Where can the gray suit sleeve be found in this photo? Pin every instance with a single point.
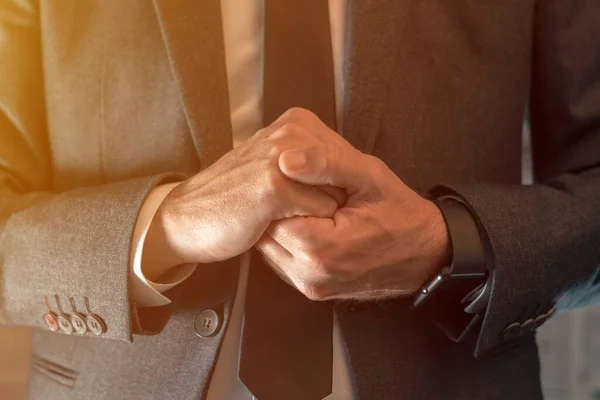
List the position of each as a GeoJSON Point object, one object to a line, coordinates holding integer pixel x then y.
{"type": "Point", "coordinates": [544, 239]}
{"type": "Point", "coordinates": [72, 244]}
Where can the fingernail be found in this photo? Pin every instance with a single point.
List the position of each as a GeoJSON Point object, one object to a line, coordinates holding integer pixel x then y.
{"type": "Point", "coordinates": [294, 160]}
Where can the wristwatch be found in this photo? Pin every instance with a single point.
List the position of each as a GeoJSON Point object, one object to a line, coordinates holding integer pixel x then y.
{"type": "Point", "coordinates": [464, 283]}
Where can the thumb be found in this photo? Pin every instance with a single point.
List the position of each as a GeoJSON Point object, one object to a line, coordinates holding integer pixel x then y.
{"type": "Point", "coordinates": [326, 165]}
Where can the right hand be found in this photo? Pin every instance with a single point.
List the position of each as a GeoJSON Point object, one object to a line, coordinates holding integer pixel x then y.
{"type": "Point", "coordinates": [224, 210]}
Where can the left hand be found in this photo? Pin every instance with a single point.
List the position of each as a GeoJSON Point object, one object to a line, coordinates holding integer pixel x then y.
{"type": "Point", "coordinates": [385, 241]}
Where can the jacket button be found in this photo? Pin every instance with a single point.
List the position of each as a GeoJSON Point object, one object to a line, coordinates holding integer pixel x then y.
{"type": "Point", "coordinates": [207, 323]}
{"type": "Point", "coordinates": [78, 322]}
{"type": "Point", "coordinates": [51, 322]}
{"type": "Point", "coordinates": [539, 321]}
{"type": "Point", "coordinates": [527, 326]}
{"type": "Point", "coordinates": [511, 331]}
{"type": "Point", "coordinates": [95, 324]}
{"type": "Point", "coordinates": [65, 325]}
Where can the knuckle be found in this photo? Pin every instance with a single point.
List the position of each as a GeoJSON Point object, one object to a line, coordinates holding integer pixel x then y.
{"type": "Point", "coordinates": [276, 149]}
{"type": "Point", "coordinates": [296, 114]}
{"type": "Point", "coordinates": [288, 130]}
{"type": "Point", "coordinates": [332, 156]}
{"type": "Point", "coordinates": [282, 137]}
{"type": "Point", "coordinates": [332, 153]}
{"type": "Point", "coordinates": [261, 134]}
{"type": "Point", "coordinates": [314, 296]}
{"type": "Point", "coordinates": [271, 185]}
{"type": "Point", "coordinates": [313, 291]}
{"type": "Point", "coordinates": [315, 263]}
{"type": "Point", "coordinates": [375, 164]}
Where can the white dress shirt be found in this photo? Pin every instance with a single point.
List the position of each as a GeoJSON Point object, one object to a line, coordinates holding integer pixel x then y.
{"type": "Point", "coordinates": [243, 23]}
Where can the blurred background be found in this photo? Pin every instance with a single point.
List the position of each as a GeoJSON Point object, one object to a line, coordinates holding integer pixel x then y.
{"type": "Point", "coordinates": [570, 352]}
{"type": "Point", "coordinates": [569, 346]}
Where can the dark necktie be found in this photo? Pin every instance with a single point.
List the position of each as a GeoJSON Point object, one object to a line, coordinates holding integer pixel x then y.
{"type": "Point", "coordinates": [287, 348]}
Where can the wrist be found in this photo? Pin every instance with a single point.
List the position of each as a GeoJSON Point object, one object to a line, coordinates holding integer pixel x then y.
{"type": "Point", "coordinates": [159, 251]}
{"type": "Point", "coordinates": [436, 245]}
{"type": "Point", "coordinates": [157, 255]}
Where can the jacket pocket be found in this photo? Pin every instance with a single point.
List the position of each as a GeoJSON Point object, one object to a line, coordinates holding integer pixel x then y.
{"type": "Point", "coordinates": [56, 372]}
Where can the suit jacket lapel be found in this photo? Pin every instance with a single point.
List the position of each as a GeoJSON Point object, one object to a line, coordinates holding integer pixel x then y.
{"type": "Point", "coordinates": [374, 29]}
{"type": "Point", "coordinates": [192, 31]}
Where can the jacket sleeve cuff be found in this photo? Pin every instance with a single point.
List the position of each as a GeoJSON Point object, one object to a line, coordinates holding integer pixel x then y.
{"type": "Point", "coordinates": [73, 249]}
{"type": "Point", "coordinates": [447, 308]}
{"type": "Point", "coordinates": [541, 241]}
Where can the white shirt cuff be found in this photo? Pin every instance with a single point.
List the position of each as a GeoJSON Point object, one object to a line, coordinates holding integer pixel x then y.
{"type": "Point", "coordinates": [145, 293]}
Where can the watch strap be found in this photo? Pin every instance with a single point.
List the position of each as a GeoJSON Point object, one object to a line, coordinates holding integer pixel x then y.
{"type": "Point", "coordinates": [468, 256]}
{"type": "Point", "coordinates": [468, 260]}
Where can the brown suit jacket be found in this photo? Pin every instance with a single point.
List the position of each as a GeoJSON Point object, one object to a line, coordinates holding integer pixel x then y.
{"type": "Point", "coordinates": [102, 100]}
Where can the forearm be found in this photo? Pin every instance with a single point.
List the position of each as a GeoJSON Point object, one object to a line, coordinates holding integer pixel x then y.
{"type": "Point", "coordinates": [153, 251]}
{"type": "Point", "coordinates": [541, 240]}
{"type": "Point", "coordinates": [152, 272]}
{"type": "Point", "coordinates": [72, 244]}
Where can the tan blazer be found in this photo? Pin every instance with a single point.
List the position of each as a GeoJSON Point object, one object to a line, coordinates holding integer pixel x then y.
{"type": "Point", "coordinates": [102, 100]}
